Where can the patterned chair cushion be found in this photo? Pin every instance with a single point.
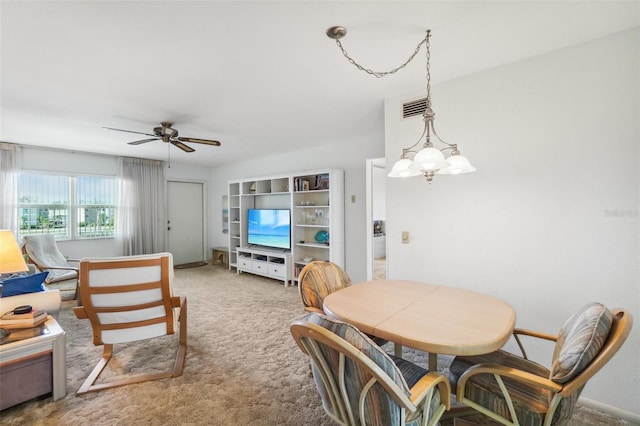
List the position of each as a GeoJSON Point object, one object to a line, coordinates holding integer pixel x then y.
{"type": "Point", "coordinates": [380, 409]}
{"type": "Point", "coordinates": [530, 402]}
{"type": "Point", "coordinates": [579, 341]}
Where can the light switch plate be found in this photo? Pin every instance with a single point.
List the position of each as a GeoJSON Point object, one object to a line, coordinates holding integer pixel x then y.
{"type": "Point", "coordinates": [405, 237]}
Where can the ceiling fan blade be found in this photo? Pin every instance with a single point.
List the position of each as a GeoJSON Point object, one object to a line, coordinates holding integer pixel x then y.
{"type": "Point", "coordinates": [202, 141]}
{"type": "Point", "coordinates": [129, 131]}
{"type": "Point", "coordinates": [143, 141]}
{"type": "Point", "coordinates": [182, 146]}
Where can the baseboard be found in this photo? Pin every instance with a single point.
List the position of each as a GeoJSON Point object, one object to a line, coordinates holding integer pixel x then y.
{"type": "Point", "coordinates": [611, 410]}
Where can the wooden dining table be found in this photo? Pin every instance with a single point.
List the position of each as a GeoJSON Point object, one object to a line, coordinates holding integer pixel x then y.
{"type": "Point", "coordinates": [428, 317]}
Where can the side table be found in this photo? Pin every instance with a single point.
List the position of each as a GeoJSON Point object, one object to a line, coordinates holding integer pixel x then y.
{"type": "Point", "coordinates": [34, 366]}
{"type": "Point", "coordinates": [221, 254]}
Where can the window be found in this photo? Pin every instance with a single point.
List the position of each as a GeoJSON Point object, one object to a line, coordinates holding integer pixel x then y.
{"type": "Point", "coordinates": [69, 207]}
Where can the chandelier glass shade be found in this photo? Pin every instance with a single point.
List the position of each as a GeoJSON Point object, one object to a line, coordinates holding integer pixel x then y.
{"type": "Point", "coordinates": [428, 160]}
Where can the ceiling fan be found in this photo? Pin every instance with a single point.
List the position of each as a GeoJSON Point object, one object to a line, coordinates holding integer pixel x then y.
{"type": "Point", "coordinates": [166, 133]}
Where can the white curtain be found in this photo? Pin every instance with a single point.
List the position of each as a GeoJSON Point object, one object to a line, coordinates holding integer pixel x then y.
{"type": "Point", "coordinates": [9, 175]}
{"type": "Point", "coordinates": [141, 222]}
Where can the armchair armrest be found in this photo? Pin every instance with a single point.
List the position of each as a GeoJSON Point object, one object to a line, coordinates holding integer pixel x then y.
{"type": "Point", "coordinates": [517, 332]}
{"type": "Point", "coordinates": [499, 371]}
{"type": "Point", "coordinates": [420, 390]}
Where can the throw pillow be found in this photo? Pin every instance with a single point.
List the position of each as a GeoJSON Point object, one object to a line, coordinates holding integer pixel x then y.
{"type": "Point", "coordinates": [23, 285]}
{"type": "Point", "coordinates": [580, 340]}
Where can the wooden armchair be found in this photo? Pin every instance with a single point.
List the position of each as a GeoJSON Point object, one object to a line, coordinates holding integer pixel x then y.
{"type": "Point", "coordinates": [43, 252]}
{"type": "Point", "coordinates": [360, 384]}
{"type": "Point", "coordinates": [128, 299]}
{"type": "Point", "coordinates": [516, 391]}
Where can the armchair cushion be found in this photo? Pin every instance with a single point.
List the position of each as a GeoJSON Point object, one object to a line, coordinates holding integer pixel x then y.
{"type": "Point", "coordinates": [579, 341]}
{"type": "Point", "coordinates": [23, 285]}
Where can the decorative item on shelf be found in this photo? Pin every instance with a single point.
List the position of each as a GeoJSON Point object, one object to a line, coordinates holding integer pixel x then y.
{"type": "Point", "coordinates": [322, 236]}
{"type": "Point", "coordinates": [307, 259]}
{"type": "Point", "coordinates": [305, 185]}
{"type": "Point", "coordinates": [428, 161]}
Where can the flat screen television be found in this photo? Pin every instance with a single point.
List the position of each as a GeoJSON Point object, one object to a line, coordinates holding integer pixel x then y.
{"type": "Point", "coordinates": [269, 228]}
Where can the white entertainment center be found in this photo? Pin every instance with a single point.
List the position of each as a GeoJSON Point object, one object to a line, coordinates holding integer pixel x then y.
{"type": "Point", "coordinates": [315, 201]}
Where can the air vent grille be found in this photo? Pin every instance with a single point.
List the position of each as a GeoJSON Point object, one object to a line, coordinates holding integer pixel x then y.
{"type": "Point", "coordinates": [413, 108]}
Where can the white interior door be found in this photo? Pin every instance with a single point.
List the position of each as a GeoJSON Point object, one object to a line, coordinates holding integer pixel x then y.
{"type": "Point", "coordinates": [185, 221]}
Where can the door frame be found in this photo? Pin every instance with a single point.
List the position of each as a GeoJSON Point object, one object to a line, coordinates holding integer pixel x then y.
{"type": "Point", "coordinates": [371, 163]}
{"type": "Point", "coordinates": [205, 232]}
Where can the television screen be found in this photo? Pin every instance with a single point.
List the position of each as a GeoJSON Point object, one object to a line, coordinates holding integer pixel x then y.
{"type": "Point", "coordinates": [270, 228]}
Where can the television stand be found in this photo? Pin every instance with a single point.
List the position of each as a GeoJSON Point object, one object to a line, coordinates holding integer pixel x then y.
{"type": "Point", "coordinates": [270, 263]}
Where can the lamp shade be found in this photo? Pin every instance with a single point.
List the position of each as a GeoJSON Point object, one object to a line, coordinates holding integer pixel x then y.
{"type": "Point", "coordinates": [11, 259]}
{"type": "Point", "coordinates": [402, 168]}
{"type": "Point", "coordinates": [458, 165]}
{"type": "Point", "coordinates": [429, 159]}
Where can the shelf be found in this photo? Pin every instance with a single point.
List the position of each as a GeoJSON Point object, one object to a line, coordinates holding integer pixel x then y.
{"type": "Point", "coordinates": [315, 245]}
{"type": "Point", "coordinates": [322, 194]}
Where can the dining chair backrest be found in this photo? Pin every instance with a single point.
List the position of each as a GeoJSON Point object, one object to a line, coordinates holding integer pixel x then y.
{"type": "Point", "coordinates": [317, 280]}
{"type": "Point", "coordinates": [360, 384]}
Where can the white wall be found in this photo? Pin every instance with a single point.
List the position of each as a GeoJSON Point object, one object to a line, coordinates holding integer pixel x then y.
{"type": "Point", "coordinates": [348, 157]}
{"type": "Point", "coordinates": [550, 220]}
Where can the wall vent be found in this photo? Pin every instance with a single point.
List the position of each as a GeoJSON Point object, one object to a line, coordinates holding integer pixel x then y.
{"type": "Point", "coordinates": [413, 108]}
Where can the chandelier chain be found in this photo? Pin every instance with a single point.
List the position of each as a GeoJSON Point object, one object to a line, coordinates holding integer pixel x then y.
{"type": "Point", "coordinates": [379, 74]}
{"type": "Point", "coordinates": [427, 46]}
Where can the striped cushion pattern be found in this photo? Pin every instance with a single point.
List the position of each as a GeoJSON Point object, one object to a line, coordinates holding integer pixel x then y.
{"type": "Point", "coordinates": [320, 279]}
{"type": "Point", "coordinates": [530, 402]}
{"type": "Point", "coordinates": [380, 408]}
{"type": "Point", "coordinates": [580, 339]}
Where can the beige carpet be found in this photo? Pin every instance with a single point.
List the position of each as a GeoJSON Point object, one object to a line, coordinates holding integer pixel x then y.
{"type": "Point", "coordinates": [242, 367]}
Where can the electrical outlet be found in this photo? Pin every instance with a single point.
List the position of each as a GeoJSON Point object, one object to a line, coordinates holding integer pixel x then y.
{"type": "Point", "coordinates": [405, 237]}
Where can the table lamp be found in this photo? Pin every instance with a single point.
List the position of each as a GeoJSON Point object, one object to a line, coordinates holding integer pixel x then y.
{"type": "Point", "coordinates": [11, 259]}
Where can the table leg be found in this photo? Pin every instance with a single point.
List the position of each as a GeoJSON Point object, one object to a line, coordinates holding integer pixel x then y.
{"type": "Point", "coordinates": [433, 362]}
{"type": "Point", "coordinates": [397, 350]}
{"type": "Point", "coordinates": [59, 359]}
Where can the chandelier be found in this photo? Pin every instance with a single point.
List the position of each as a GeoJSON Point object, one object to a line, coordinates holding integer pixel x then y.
{"type": "Point", "coordinates": [428, 161]}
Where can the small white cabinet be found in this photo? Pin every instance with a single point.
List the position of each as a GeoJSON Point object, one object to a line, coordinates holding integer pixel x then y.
{"type": "Point", "coordinates": [274, 264]}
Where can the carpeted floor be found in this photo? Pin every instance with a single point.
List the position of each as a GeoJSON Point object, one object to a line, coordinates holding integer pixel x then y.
{"type": "Point", "coordinates": [242, 366]}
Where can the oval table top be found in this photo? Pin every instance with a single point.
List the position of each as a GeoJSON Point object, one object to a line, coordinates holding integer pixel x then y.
{"type": "Point", "coordinates": [427, 317]}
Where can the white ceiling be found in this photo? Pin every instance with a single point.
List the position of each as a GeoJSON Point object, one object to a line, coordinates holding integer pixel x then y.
{"type": "Point", "coordinates": [261, 77]}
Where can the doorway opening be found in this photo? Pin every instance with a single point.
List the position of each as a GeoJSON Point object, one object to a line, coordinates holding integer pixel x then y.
{"type": "Point", "coordinates": [376, 219]}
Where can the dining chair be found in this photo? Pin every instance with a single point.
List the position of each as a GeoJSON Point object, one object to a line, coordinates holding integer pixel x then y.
{"type": "Point", "coordinates": [360, 384]}
{"type": "Point", "coordinates": [514, 390]}
{"type": "Point", "coordinates": [317, 280]}
{"type": "Point", "coordinates": [43, 252]}
{"type": "Point", "coordinates": [130, 299]}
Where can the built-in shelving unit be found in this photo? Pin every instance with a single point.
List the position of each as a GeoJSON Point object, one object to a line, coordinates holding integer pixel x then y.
{"type": "Point", "coordinates": [316, 202]}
